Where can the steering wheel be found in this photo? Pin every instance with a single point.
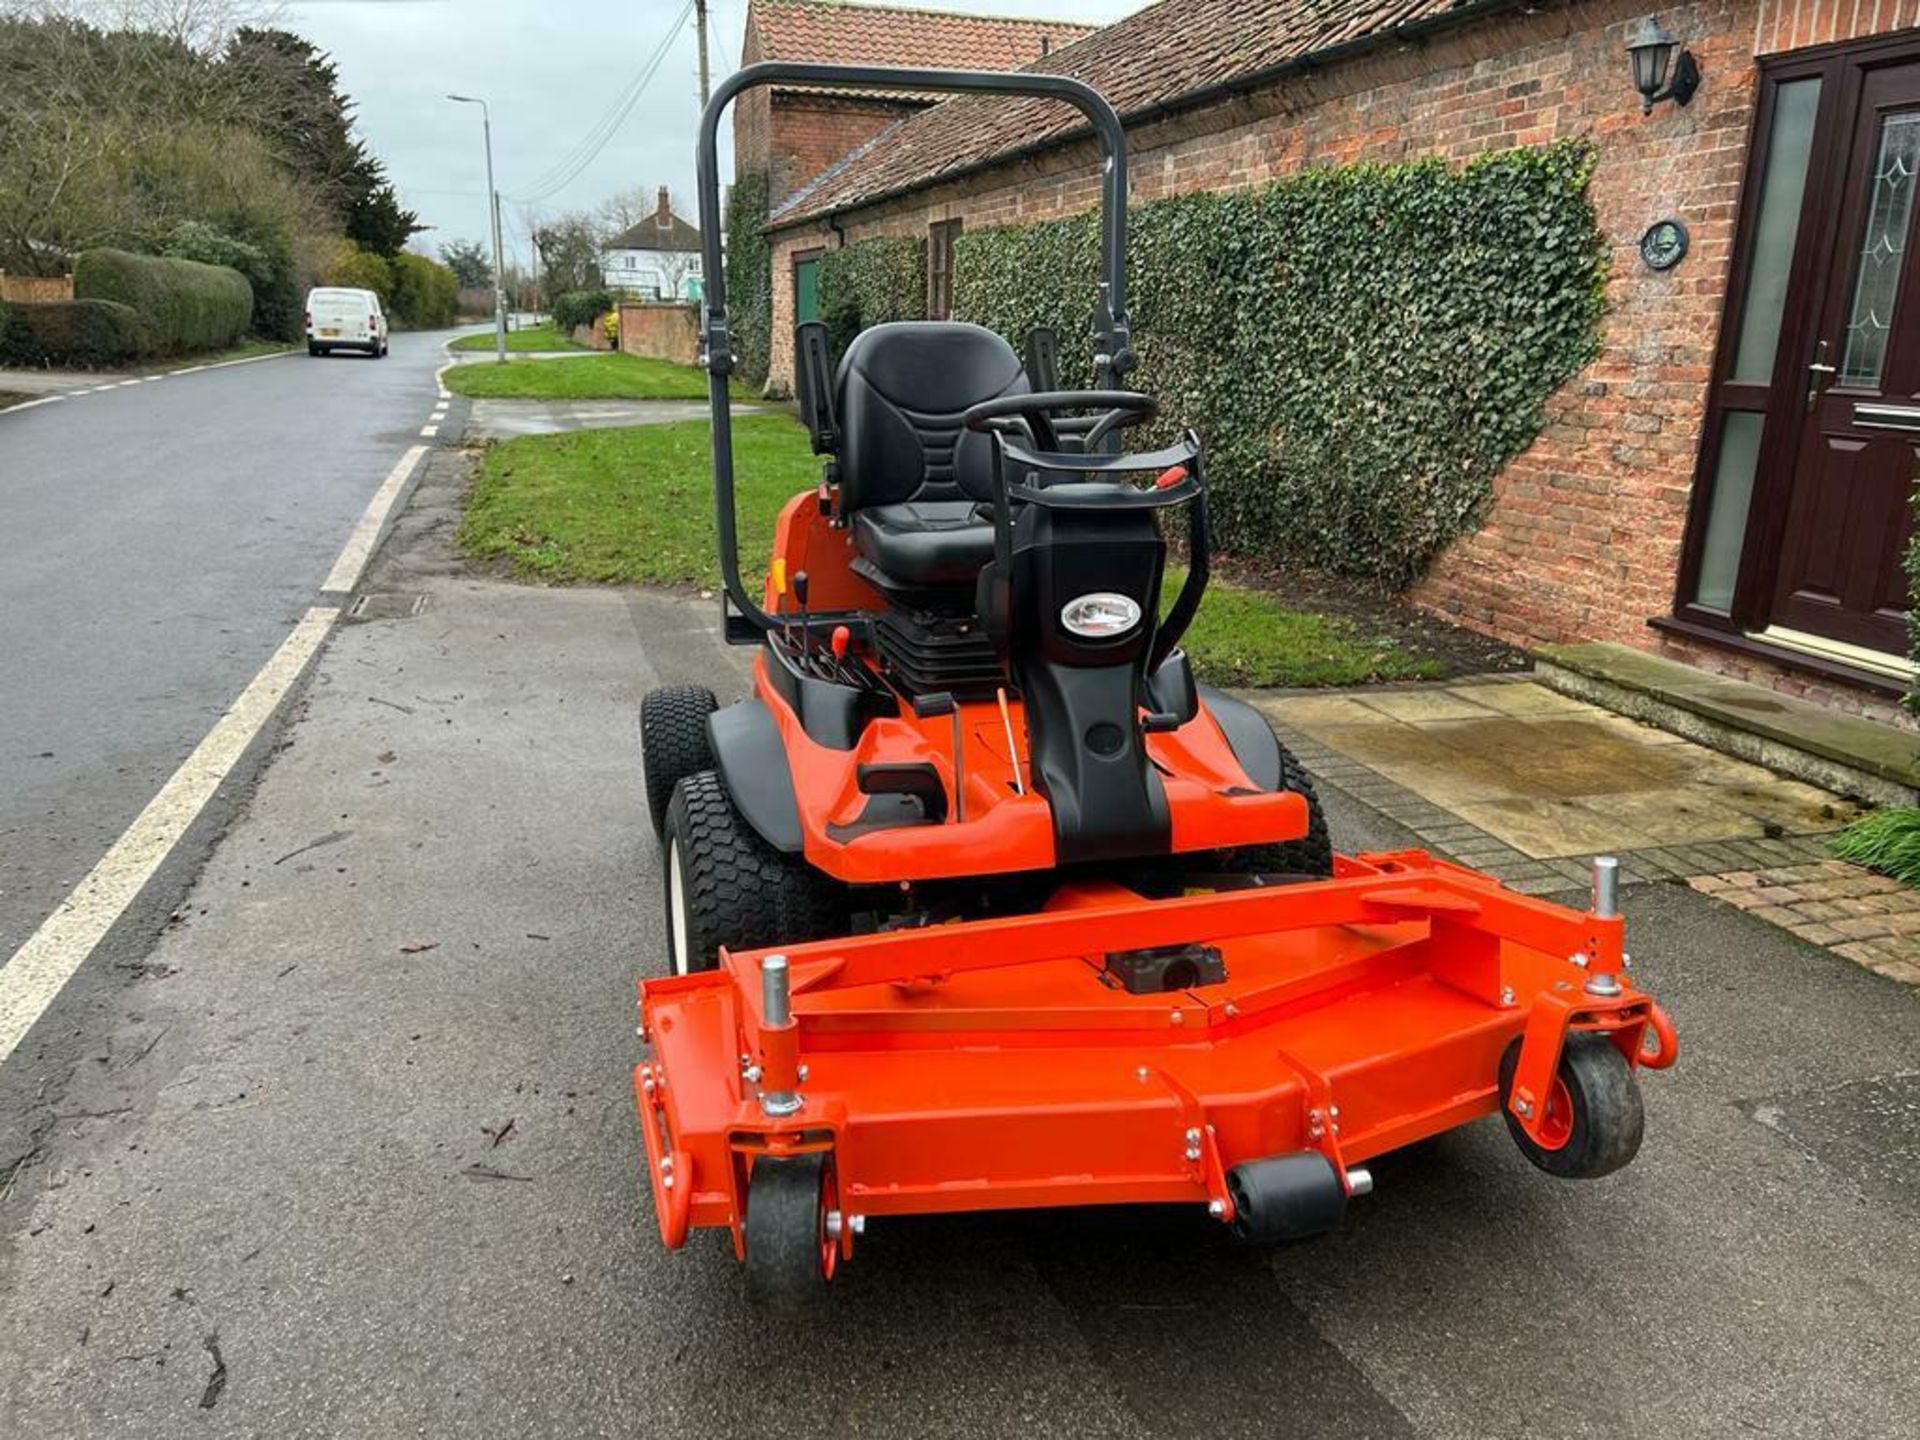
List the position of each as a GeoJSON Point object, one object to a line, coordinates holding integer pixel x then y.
{"type": "Point", "coordinates": [1032, 416]}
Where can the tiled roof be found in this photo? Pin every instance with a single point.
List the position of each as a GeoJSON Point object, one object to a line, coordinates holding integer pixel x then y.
{"type": "Point", "coordinates": [650, 234]}
{"type": "Point", "coordinates": [854, 34]}
{"type": "Point", "coordinates": [1154, 57]}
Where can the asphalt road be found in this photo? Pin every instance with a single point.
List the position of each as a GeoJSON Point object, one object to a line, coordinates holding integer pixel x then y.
{"type": "Point", "coordinates": [357, 1156]}
{"type": "Point", "coordinates": [160, 540]}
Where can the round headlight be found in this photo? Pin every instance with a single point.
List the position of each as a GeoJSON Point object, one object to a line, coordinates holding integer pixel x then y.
{"type": "Point", "coordinates": [1100, 616]}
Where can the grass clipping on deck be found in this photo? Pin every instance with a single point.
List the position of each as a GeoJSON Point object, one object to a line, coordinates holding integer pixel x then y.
{"type": "Point", "coordinates": [635, 506]}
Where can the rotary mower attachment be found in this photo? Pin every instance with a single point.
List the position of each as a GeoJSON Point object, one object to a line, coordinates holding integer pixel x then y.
{"type": "Point", "coordinates": [1244, 1049]}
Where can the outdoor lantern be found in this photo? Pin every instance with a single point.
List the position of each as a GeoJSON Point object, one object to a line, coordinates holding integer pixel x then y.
{"type": "Point", "coordinates": [1662, 70]}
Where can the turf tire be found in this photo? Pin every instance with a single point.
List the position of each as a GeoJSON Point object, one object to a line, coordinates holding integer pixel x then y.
{"type": "Point", "coordinates": [734, 889]}
{"type": "Point", "coordinates": [673, 743]}
{"type": "Point", "coordinates": [1311, 854]}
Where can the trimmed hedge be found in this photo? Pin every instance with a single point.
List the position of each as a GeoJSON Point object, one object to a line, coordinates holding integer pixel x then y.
{"type": "Point", "coordinates": [425, 292]}
{"type": "Point", "coordinates": [1363, 348]}
{"type": "Point", "coordinates": [580, 307]}
{"type": "Point", "coordinates": [186, 305]}
{"type": "Point", "coordinates": [268, 267]}
{"type": "Point", "coordinates": [872, 282]}
{"type": "Point", "coordinates": [355, 269]}
{"type": "Point", "coordinates": [72, 332]}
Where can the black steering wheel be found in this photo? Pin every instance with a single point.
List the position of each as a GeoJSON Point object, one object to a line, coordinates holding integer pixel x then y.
{"type": "Point", "coordinates": [1032, 416]}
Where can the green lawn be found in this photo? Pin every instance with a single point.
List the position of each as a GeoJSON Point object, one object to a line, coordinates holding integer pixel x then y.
{"type": "Point", "coordinates": [636, 506]}
{"type": "Point", "coordinates": [533, 337]}
{"type": "Point", "coordinates": [600, 376]}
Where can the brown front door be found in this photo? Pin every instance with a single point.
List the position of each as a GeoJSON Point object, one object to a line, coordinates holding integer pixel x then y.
{"type": "Point", "coordinates": [1848, 512]}
{"type": "Point", "coordinates": [1801, 508]}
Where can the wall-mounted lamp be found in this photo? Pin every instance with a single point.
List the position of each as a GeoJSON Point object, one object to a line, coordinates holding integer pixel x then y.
{"type": "Point", "coordinates": [1662, 69]}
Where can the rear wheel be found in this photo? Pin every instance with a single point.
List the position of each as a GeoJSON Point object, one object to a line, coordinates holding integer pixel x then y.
{"type": "Point", "coordinates": [1311, 854]}
{"type": "Point", "coordinates": [314, 350]}
{"type": "Point", "coordinates": [673, 742]}
{"type": "Point", "coordinates": [790, 1253]}
{"type": "Point", "coordinates": [1594, 1119]}
{"type": "Point", "coordinates": [725, 886]}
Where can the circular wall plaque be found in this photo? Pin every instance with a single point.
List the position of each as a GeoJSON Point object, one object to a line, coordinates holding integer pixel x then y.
{"type": "Point", "coordinates": [1664, 244]}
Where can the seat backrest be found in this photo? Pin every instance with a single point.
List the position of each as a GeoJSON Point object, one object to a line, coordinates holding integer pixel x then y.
{"type": "Point", "coordinates": [901, 391]}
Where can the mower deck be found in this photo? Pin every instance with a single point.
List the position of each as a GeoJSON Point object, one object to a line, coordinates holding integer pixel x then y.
{"type": "Point", "coordinates": [1003, 1063]}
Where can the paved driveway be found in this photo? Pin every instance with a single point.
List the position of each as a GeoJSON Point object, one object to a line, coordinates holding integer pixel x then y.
{"type": "Point", "coordinates": [357, 1157]}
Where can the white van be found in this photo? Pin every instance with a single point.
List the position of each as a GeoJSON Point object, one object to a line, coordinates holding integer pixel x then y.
{"type": "Point", "coordinates": [343, 319]}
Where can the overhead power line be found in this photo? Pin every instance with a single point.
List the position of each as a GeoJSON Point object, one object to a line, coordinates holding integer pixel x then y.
{"type": "Point", "coordinates": [583, 154]}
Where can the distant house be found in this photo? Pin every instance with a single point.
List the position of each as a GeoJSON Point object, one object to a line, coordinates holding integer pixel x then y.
{"type": "Point", "coordinates": [790, 133]}
{"type": "Point", "coordinates": [657, 259]}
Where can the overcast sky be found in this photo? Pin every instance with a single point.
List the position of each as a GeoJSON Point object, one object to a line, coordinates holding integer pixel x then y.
{"type": "Point", "coordinates": [550, 70]}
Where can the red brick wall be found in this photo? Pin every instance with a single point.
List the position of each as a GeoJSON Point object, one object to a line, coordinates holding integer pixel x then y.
{"type": "Point", "coordinates": [1582, 539]}
{"type": "Point", "coordinates": [807, 133]}
{"type": "Point", "coordinates": [663, 332]}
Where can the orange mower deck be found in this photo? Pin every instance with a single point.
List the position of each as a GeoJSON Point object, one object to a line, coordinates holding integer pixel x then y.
{"type": "Point", "coordinates": [997, 1064]}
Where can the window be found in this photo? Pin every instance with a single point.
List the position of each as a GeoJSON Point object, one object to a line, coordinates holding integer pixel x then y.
{"type": "Point", "coordinates": [940, 237]}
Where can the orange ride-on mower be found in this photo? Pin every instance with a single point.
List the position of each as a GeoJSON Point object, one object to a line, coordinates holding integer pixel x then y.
{"type": "Point", "coordinates": [980, 901]}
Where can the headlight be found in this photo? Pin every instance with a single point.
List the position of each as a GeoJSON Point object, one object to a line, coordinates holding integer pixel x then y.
{"type": "Point", "coordinates": [1100, 616]}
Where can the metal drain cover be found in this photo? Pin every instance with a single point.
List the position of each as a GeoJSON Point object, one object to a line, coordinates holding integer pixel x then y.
{"type": "Point", "coordinates": [387, 605]}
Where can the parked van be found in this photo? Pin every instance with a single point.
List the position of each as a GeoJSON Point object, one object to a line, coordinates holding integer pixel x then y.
{"type": "Point", "coordinates": [343, 319]}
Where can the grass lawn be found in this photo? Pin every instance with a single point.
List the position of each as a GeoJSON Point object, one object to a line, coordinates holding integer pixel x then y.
{"type": "Point", "coordinates": [598, 376]}
{"type": "Point", "coordinates": [533, 337]}
{"type": "Point", "coordinates": [636, 506]}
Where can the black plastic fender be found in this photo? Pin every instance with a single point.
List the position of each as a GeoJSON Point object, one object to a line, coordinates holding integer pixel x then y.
{"type": "Point", "coordinates": [1248, 734]}
{"type": "Point", "coordinates": [753, 766]}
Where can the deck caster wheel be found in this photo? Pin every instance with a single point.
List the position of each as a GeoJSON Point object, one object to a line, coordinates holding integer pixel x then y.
{"type": "Point", "coordinates": [790, 1253]}
{"type": "Point", "coordinates": [1594, 1118]}
{"type": "Point", "coordinates": [1285, 1197]}
{"type": "Point", "coordinates": [673, 742]}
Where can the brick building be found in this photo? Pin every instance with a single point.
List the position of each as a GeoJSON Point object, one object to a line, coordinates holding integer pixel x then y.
{"type": "Point", "coordinates": [1686, 495]}
{"type": "Point", "coordinates": [790, 133]}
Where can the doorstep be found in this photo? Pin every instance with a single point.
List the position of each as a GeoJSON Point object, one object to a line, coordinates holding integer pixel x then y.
{"type": "Point", "coordinates": [1836, 751]}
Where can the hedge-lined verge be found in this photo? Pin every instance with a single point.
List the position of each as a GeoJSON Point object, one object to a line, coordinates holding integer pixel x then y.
{"type": "Point", "coordinates": [1362, 348]}
{"type": "Point", "coordinates": [872, 282]}
{"type": "Point", "coordinates": [186, 305]}
{"type": "Point", "coordinates": [72, 332]}
{"type": "Point", "coordinates": [580, 307]}
{"type": "Point", "coordinates": [749, 280]}
{"type": "Point", "coordinates": [425, 293]}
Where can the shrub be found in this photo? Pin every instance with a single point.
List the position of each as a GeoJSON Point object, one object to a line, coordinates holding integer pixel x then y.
{"type": "Point", "coordinates": [72, 332]}
{"type": "Point", "coordinates": [872, 282]}
{"type": "Point", "coordinates": [186, 305]}
{"type": "Point", "coordinates": [425, 293]}
{"type": "Point", "coordinates": [357, 269]}
{"type": "Point", "coordinates": [749, 279]}
{"type": "Point", "coordinates": [580, 307]}
{"type": "Point", "coordinates": [267, 264]}
{"type": "Point", "coordinates": [1363, 348]}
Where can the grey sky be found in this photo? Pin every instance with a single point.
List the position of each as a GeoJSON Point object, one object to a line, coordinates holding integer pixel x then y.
{"type": "Point", "coordinates": [550, 70]}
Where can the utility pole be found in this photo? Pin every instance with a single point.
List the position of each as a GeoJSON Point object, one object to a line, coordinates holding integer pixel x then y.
{"type": "Point", "coordinates": [700, 28]}
{"type": "Point", "coordinates": [493, 224]}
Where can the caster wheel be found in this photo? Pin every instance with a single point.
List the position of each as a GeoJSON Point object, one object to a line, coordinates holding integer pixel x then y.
{"type": "Point", "coordinates": [1285, 1197]}
{"type": "Point", "coordinates": [790, 1255]}
{"type": "Point", "coordinates": [1594, 1118]}
{"type": "Point", "coordinates": [673, 742]}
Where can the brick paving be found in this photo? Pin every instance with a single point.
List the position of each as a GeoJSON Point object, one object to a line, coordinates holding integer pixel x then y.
{"type": "Point", "coordinates": [1869, 918]}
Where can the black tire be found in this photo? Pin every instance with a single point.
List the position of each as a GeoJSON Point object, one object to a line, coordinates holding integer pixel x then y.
{"type": "Point", "coordinates": [1311, 854]}
{"type": "Point", "coordinates": [673, 742]}
{"type": "Point", "coordinates": [1602, 1113]}
{"type": "Point", "coordinates": [725, 886]}
{"type": "Point", "coordinates": [787, 1262]}
{"type": "Point", "coordinates": [314, 350]}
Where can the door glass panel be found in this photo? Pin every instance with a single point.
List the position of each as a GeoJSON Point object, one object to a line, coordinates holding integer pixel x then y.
{"type": "Point", "coordinates": [1890, 207]}
{"type": "Point", "coordinates": [1776, 225]}
{"type": "Point", "coordinates": [1727, 519]}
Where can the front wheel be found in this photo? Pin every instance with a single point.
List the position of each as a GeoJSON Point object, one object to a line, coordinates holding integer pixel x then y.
{"type": "Point", "coordinates": [673, 743]}
{"type": "Point", "coordinates": [1311, 855]}
{"type": "Point", "coordinates": [791, 1250]}
{"type": "Point", "coordinates": [1594, 1119]}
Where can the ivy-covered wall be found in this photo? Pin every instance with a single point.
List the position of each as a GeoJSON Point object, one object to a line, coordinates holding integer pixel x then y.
{"type": "Point", "coordinates": [1362, 347]}
{"type": "Point", "coordinates": [872, 282]}
{"type": "Point", "coordinates": [749, 278]}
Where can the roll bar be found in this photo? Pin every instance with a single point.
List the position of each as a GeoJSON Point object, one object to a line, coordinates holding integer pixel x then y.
{"type": "Point", "coordinates": [1110, 328]}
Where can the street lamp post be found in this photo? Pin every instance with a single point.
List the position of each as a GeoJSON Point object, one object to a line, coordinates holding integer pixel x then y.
{"type": "Point", "coordinates": [493, 224]}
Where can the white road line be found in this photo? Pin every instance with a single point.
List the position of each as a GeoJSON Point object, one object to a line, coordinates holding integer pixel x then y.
{"type": "Point", "coordinates": [429, 431]}
{"type": "Point", "coordinates": [29, 404]}
{"type": "Point", "coordinates": [40, 968]}
{"type": "Point", "coordinates": [359, 547]}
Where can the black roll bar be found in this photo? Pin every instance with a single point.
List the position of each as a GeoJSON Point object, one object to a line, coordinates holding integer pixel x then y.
{"type": "Point", "coordinates": [1110, 328]}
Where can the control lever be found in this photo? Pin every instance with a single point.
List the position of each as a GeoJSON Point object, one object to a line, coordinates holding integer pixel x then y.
{"type": "Point", "coordinates": [838, 642]}
{"type": "Point", "coordinates": [806, 623]}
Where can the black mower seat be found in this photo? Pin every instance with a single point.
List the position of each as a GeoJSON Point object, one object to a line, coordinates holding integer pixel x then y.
{"type": "Point", "coordinates": [912, 477]}
{"type": "Point", "coordinates": [930, 543]}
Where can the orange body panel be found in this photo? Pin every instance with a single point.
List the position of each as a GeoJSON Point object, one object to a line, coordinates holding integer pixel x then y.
{"type": "Point", "coordinates": [989, 1064]}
